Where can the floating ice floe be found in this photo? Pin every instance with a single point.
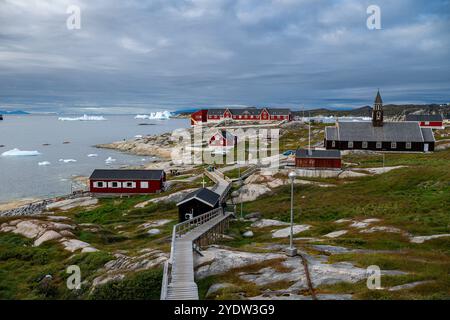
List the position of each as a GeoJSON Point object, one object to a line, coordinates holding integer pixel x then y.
{"type": "Point", "coordinates": [67, 160]}
{"type": "Point", "coordinates": [83, 118]}
{"type": "Point", "coordinates": [160, 115]}
{"type": "Point", "coordinates": [138, 136]}
{"type": "Point", "coordinates": [92, 155]}
{"type": "Point", "coordinates": [110, 160]}
{"type": "Point", "coordinates": [19, 153]}
{"type": "Point", "coordinates": [44, 163]}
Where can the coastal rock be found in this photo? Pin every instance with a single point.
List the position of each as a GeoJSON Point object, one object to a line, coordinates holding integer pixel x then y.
{"type": "Point", "coordinates": [268, 223]}
{"type": "Point", "coordinates": [154, 232]}
{"type": "Point", "coordinates": [251, 192]}
{"type": "Point", "coordinates": [382, 229]}
{"type": "Point", "coordinates": [253, 215]}
{"type": "Point", "coordinates": [336, 234]}
{"type": "Point", "coordinates": [29, 229]}
{"type": "Point", "coordinates": [409, 285]}
{"type": "Point", "coordinates": [73, 245]}
{"type": "Point", "coordinates": [284, 233]}
{"type": "Point", "coordinates": [422, 239]}
{"type": "Point", "coordinates": [68, 204]}
{"type": "Point", "coordinates": [216, 260]}
{"type": "Point", "coordinates": [156, 223]}
{"type": "Point", "coordinates": [174, 197]}
{"type": "Point", "coordinates": [47, 236]}
{"type": "Point", "coordinates": [248, 234]}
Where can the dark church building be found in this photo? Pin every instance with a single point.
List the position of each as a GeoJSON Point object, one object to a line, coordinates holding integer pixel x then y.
{"type": "Point", "coordinates": [197, 203]}
{"type": "Point", "coordinates": [379, 135]}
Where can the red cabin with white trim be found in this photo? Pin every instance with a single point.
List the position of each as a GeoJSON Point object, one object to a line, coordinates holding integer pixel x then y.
{"type": "Point", "coordinates": [127, 182]}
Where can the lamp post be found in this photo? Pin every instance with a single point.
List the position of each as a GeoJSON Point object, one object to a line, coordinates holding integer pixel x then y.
{"type": "Point", "coordinates": [291, 251]}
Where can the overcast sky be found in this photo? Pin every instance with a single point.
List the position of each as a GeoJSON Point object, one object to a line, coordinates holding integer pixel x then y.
{"type": "Point", "coordinates": [175, 54]}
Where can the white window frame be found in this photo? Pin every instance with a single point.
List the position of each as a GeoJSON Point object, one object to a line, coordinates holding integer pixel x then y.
{"type": "Point", "coordinates": [111, 184]}
{"type": "Point", "coordinates": [365, 144]}
{"type": "Point", "coordinates": [104, 184]}
{"type": "Point", "coordinates": [125, 185]}
{"type": "Point", "coordinates": [145, 185]}
{"type": "Point", "coordinates": [350, 144]}
{"type": "Point", "coordinates": [393, 145]}
{"type": "Point", "coordinates": [379, 145]}
{"type": "Point", "coordinates": [427, 123]}
{"type": "Point", "coordinates": [409, 145]}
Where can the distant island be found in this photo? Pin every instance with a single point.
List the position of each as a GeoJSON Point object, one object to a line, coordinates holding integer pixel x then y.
{"type": "Point", "coordinates": [13, 112]}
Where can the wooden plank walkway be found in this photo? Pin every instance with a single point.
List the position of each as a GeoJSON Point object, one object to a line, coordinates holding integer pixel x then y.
{"type": "Point", "coordinates": [182, 285]}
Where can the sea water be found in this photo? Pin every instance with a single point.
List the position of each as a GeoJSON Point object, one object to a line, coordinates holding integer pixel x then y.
{"type": "Point", "coordinates": [50, 151]}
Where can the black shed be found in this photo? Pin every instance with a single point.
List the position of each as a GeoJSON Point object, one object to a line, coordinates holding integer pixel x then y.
{"type": "Point", "coordinates": [197, 203]}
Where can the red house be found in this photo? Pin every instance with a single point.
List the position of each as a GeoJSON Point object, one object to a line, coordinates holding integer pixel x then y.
{"type": "Point", "coordinates": [318, 159]}
{"type": "Point", "coordinates": [223, 138]}
{"type": "Point", "coordinates": [127, 182]}
{"type": "Point", "coordinates": [199, 117]}
{"type": "Point", "coordinates": [433, 121]}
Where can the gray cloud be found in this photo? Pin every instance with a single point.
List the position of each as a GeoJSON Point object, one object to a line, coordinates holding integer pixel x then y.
{"type": "Point", "coordinates": [186, 53]}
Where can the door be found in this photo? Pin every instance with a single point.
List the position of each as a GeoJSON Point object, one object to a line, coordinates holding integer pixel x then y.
{"type": "Point", "coordinates": [426, 147]}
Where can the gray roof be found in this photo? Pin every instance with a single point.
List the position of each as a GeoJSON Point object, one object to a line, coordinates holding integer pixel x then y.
{"type": "Point", "coordinates": [216, 112]}
{"type": "Point", "coordinates": [204, 195]}
{"type": "Point", "coordinates": [108, 174]}
{"type": "Point", "coordinates": [378, 99]}
{"type": "Point", "coordinates": [424, 117]}
{"type": "Point", "coordinates": [279, 112]}
{"type": "Point", "coordinates": [428, 135]}
{"type": "Point", "coordinates": [318, 154]}
{"type": "Point", "coordinates": [249, 111]}
{"type": "Point", "coordinates": [365, 131]}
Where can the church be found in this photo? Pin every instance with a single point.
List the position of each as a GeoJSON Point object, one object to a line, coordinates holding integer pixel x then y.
{"type": "Point", "coordinates": [379, 135]}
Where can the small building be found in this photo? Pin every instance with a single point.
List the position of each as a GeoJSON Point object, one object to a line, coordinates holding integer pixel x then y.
{"type": "Point", "coordinates": [127, 182]}
{"type": "Point", "coordinates": [199, 117]}
{"type": "Point", "coordinates": [197, 203]}
{"type": "Point", "coordinates": [379, 135]}
{"type": "Point", "coordinates": [318, 159]}
{"type": "Point", "coordinates": [223, 138]}
{"type": "Point", "coordinates": [433, 121]}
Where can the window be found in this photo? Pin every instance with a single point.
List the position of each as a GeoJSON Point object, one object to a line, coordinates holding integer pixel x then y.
{"type": "Point", "coordinates": [365, 144]}
{"type": "Point", "coordinates": [144, 185]}
{"type": "Point", "coordinates": [408, 145]}
{"type": "Point", "coordinates": [350, 144]}
{"type": "Point", "coordinates": [99, 184]}
{"type": "Point", "coordinates": [333, 144]}
{"type": "Point", "coordinates": [393, 145]}
{"type": "Point", "coordinates": [114, 184]}
{"type": "Point", "coordinates": [130, 185]}
{"type": "Point", "coordinates": [427, 123]}
{"type": "Point", "coordinates": [379, 145]}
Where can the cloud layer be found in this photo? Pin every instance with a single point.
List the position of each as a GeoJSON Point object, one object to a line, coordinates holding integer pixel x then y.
{"type": "Point", "coordinates": [187, 53]}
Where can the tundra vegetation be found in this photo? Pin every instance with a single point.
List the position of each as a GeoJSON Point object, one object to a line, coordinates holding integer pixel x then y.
{"type": "Point", "coordinates": [410, 201]}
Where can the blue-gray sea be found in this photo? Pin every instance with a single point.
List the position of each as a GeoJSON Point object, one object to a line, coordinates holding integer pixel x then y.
{"type": "Point", "coordinates": [23, 177]}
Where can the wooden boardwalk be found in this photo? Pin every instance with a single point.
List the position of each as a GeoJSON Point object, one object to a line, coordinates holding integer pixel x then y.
{"type": "Point", "coordinates": [182, 285]}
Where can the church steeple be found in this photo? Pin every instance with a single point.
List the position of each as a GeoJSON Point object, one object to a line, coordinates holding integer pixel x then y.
{"type": "Point", "coordinates": [377, 113]}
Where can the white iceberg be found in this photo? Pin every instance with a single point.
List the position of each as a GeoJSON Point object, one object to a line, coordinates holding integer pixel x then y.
{"type": "Point", "coordinates": [83, 118]}
{"type": "Point", "coordinates": [19, 153]}
{"type": "Point", "coordinates": [159, 115]}
{"type": "Point", "coordinates": [110, 160]}
{"type": "Point", "coordinates": [138, 136]}
{"type": "Point", "coordinates": [67, 160]}
{"type": "Point", "coordinates": [44, 163]}
{"type": "Point", "coordinates": [92, 155]}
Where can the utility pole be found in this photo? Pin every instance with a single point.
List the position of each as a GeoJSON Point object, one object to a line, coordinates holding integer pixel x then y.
{"type": "Point", "coordinates": [291, 251]}
{"type": "Point", "coordinates": [203, 181]}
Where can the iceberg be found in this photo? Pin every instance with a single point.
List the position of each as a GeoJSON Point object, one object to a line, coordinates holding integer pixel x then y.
{"type": "Point", "coordinates": [83, 118]}
{"type": "Point", "coordinates": [44, 163]}
{"type": "Point", "coordinates": [110, 160]}
{"type": "Point", "coordinates": [92, 155]}
{"type": "Point", "coordinates": [159, 115]}
{"type": "Point", "coordinates": [67, 160]}
{"type": "Point", "coordinates": [19, 153]}
{"type": "Point", "coordinates": [139, 136]}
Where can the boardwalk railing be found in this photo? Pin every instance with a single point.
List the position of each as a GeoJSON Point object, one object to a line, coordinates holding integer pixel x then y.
{"type": "Point", "coordinates": [179, 230]}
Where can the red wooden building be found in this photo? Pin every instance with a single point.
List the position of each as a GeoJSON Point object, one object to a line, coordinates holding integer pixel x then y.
{"type": "Point", "coordinates": [318, 159]}
{"type": "Point", "coordinates": [223, 138]}
{"type": "Point", "coordinates": [244, 114]}
{"type": "Point", "coordinates": [127, 182]}
{"type": "Point", "coordinates": [433, 121]}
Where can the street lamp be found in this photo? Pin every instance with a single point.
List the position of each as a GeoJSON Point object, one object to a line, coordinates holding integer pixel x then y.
{"type": "Point", "coordinates": [291, 251]}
